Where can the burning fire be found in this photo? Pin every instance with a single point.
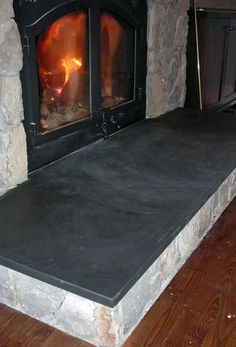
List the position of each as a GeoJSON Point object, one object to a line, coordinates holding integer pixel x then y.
{"type": "Point", "coordinates": [70, 65]}
{"type": "Point", "coordinates": [62, 51]}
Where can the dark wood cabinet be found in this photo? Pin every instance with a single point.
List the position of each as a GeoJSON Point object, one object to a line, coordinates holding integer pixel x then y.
{"type": "Point", "coordinates": [217, 46]}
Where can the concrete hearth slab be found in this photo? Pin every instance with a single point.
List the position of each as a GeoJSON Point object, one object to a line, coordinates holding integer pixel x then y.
{"type": "Point", "coordinates": [90, 241]}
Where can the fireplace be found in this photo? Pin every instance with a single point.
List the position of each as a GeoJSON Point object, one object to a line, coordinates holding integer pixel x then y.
{"type": "Point", "coordinates": [84, 72]}
{"type": "Point", "coordinates": [164, 90]}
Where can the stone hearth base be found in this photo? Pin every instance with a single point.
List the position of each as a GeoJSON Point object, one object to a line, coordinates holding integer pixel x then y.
{"type": "Point", "coordinates": [99, 324]}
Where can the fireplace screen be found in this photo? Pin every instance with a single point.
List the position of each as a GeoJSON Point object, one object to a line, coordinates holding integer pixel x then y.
{"type": "Point", "coordinates": [63, 66]}
{"type": "Point", "coordinates": [117, 61]}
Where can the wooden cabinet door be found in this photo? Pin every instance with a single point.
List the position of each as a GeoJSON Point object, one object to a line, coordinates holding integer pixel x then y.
{"type": "Point", "coordinates": [229, 69]}
{"type": "Point", "coordinates": [213, 57]}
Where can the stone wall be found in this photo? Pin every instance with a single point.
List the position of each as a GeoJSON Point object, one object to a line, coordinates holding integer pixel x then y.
{"type": "Point", "coordinates": [167, 39]}
{"type": "Point", "coordinates": [13, 158]}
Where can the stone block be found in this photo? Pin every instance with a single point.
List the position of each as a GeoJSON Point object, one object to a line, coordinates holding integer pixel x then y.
{"type": "Point", "coordinates": [133, 304]}
{"type": "Point", "coordinates": [77, 315]}
{"type": "Point", "coordinates": [11, 104]}
{"type": "Point", "coordinates": [232, 190]}
{"type": "Point", "coordinates": [6, 287]}
{"type": "Point", "coordinates": [107, 326]}
{"type": "Point", "coordinates": [13, 157]}
{"type": "Point", "coordinates": [167, 39]}
{"type": "Point", "coordinates": [10, 49]}
{"type": "Point", "coordinates": [28, 292]}
{"type": "Point", "coordinates": [156, 95]}
{"type": "Point", "coordinates": [155, 281]}
{"type": "Point", "coordinates": [6, 10]}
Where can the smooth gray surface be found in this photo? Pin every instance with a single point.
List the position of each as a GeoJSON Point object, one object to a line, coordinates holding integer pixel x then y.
{"type": "Point", "coordinates": [93, 222]}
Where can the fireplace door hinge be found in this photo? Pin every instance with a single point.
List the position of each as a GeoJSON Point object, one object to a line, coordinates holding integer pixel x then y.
{"type": "Point", "coordinates": [108, 120]}
{"type": "Point", "coordinates": [26, 44]}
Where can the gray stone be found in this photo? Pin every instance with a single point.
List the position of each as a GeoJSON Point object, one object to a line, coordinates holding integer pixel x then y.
{"type": "Point", "coordinates": [11, 104]}
{"type": "Point", "coordinates": [133, 305]}
{"type": "Point", "coordinates": [6, 10]}
{"type": "Point", "coordinates": [7, 292]}
{"type": "Point", "coordinates": [13, 157]}
{"type": "Point", "coordinates": [37, 299]}
{"type": "Point", "coordinates": [77, 315]}
{"type": "Point", "coordinates": [167, 39]}
{"type": "Point", "coordinates": [10, 48]}
{"type": "Point", "coordinates": [232, 190]}
{"type": "Point", "coordinates": [156, 103]}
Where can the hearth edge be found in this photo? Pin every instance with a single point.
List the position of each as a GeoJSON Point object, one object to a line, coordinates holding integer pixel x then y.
{"type": "Point", "coordinates": [97, 323]}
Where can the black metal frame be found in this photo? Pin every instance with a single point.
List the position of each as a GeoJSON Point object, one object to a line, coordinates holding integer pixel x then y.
{"type": "Point", "coordinates": [33, 17]}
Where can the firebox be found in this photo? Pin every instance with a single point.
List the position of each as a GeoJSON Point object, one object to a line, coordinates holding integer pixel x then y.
{"type": "Point", "coordinates": [84, 72]}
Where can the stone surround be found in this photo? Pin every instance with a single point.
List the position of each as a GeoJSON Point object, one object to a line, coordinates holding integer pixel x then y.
{"type": "Point", "coordinates": [166, 62]}
{"type": "Point", "coordinates": [96, 323]}
{"type": "Point", "coordinates": [13, 157]}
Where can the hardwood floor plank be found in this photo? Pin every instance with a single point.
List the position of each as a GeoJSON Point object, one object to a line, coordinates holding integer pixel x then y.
{"type": "Point", "coordinates": [19, 330]}
{"type": "Point", "coordinates": [59, 339]}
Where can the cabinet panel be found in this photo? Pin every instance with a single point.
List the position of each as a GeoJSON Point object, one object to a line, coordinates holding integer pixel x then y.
{"type": "Point", "coordinates": [229, 82]}
{"type": "Point", "coordinates": [217, 46]}
{"type": "Point", "coordinates": [212, 58]}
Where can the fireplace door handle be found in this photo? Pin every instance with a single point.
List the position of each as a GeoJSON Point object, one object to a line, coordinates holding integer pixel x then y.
{"type": "Point", "coordinates": [115, 121]}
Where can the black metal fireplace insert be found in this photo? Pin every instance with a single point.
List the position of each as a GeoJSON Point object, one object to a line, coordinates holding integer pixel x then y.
{"type": "Point", "coordinates": [84, 72]}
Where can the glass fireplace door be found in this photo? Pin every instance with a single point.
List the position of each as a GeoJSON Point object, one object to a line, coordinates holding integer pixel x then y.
{"type": "Point", "coordinates": [84, 72]}
{"type": "Point", "coordinates": [122, 75]}
{"type": "Point", "coordinates": [117, 61]}
{"type": "Point", "coordinates": [63, 70]}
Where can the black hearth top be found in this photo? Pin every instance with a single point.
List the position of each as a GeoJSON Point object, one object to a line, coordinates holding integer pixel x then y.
{"type": "Point", "coordinates": [93, 222]}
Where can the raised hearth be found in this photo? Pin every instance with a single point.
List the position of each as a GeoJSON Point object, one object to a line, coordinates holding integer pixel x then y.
{"type": "Point", "coordinates": [114, 222]}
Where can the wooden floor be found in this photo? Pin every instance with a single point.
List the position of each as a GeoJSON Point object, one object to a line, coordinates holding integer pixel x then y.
{"type": "Point", "coordinates": [198, 308]}
{"type": "Point", "coordinates": [18, 330]}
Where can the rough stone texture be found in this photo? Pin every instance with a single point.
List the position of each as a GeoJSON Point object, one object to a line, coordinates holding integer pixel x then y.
{"type": "Point", "coordinates": [11, 111]}
{"type": "Point", "coordinates": [96, 323]}
{"type": "Point", "coordinates": [13, 157]}
{"type": "Point", "coordinates": [77, 316]}
{"type": "Point", "coordinates": [10, 49]}
{"type": "Point", "coordinates": [167, 39]}
{"type": "Point", "coordinates": [51, 298]}
{"type": "Point", "coordinates": [6, 10]}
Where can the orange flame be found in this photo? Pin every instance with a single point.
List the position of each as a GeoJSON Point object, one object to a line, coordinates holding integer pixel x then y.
{"type": "Point", "coordinates": [70, 65]}
{"type": "Point", "coordinates": [61, 54]}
